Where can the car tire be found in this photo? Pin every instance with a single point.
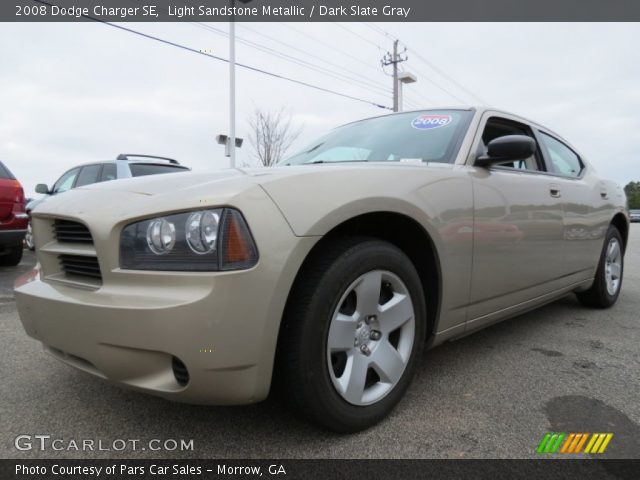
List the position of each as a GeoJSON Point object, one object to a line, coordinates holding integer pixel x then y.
{"type": "Point", "coordinates": [608, 279]}
{"type": "Point", "coordinates": [12, 256]}
{"type": "Point", "coordinates": [28, 238]}
{"type": "Point", "coordinates": [333, 317]}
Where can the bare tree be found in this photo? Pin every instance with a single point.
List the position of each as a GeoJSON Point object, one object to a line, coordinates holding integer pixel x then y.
{"type": "Point", "coordinates": [271, 135]}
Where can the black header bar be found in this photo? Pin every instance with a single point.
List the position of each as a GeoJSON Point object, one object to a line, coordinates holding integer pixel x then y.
{"type": "Point", "coordinates": [320, 10]}
{"type": "Point", "coordinates": [320, 469]}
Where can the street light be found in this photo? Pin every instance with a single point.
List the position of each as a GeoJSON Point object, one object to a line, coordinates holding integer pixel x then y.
{"type": "Point", "coordinates": [232, 85]}
{"type": "Point", "coordinates": [226, 141]}
{"type": "Point", "coordinates": [404, 77]}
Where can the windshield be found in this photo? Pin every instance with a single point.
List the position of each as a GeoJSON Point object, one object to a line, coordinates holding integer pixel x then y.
{"type": "Point", "coordinates": [427, 136]}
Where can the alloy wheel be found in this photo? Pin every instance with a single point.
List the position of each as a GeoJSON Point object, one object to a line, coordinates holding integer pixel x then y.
{"type": "Point", "coordinates": [28, 238]}
{"type": "Point", "coordinates": [613, 266]}
{"type": "Point", "coordinates": [370, 337]}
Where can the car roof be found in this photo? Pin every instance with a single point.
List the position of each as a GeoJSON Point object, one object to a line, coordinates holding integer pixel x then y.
{"type": "Point", "coordinates": [468, 109]}
{"type": "Point", "coordinates": [129, 162]}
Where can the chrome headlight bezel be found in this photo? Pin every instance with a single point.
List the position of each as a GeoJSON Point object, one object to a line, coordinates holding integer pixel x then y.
{"type": "Point", "coordinates": [231, 247]}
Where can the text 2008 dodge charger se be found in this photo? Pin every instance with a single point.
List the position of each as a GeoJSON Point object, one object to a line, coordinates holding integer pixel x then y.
{"type": "Point", "coordinates": [330, 271]}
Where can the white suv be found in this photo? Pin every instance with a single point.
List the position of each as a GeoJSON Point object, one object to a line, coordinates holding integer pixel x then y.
{"type": "Point", "coordinates": [126, 165]}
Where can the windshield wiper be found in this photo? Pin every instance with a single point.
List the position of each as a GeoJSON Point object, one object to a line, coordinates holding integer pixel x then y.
{"type": "Point", "coordinates": [332, 161]}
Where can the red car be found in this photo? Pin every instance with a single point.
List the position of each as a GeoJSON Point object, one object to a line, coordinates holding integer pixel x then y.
{"type": "Point", "coordinates": [13, 218]}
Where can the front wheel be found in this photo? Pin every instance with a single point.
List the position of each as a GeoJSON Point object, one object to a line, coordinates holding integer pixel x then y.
{"type": "Point", "coordinates": [352, 334]}
{"type": "Point", "coordinates": [608, 280]}
{"type": "Point", "coordinates": [28, 238]}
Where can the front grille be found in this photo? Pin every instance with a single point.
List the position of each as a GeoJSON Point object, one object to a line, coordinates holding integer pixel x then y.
{"type": "Point", "coordinates": [180, 371]}
{"type": "Point", "coordinates": [78, 265]}
{"type": "Point", "coordinates": [71, 232]}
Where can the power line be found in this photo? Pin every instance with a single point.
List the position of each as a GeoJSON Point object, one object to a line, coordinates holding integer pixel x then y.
{"type": "Point", "coordinates": [321, 42]}
{"type": "Point", "coordinates": [412, 95]}
{"type": "Point", "coordinates": [422, 76]}
{"type": "Point", "coordinates": [215, 57]}
{"type": "Point", "coordinates": [379, 30]}
{"type": "Point", "coordinates": [427, 78]}
{"type": "Point", "coordinates": [358, 35]}
{"type": "Point", "coordinates": [438, 70]}
{"type": "Point", "coordinates": [373, 87]}
{"type": "Point", "coordinates": [444, 75]}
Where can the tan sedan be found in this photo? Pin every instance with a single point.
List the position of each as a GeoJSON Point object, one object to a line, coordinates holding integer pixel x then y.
{"type": "Point", "coordinates": [329, 272]}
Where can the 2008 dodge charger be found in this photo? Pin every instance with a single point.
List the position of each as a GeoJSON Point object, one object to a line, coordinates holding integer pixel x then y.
{"type": "Point", "coordinates": [329, 272]}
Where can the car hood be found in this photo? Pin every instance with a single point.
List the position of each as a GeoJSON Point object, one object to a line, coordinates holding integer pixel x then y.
{"type": "Point", "coordinates": [309, 196]}
{"type": "Point", "coordinates": [167, 182]}
{"type": "Point", "coordinates": [239, 177]}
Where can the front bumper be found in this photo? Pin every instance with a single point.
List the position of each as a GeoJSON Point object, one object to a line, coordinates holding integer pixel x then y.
{"type": "Point", "coordinates": [131, 339]}
{"type": "Point", "coordinates": [222, 326]}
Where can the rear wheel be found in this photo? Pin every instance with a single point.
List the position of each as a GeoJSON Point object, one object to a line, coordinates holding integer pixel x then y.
{"type": "Point", "coordinates": [608, 280]}
{"type": "Point", "coordinates": [352, 334]}
{"type": "Point", "coordinates": [12, 256]}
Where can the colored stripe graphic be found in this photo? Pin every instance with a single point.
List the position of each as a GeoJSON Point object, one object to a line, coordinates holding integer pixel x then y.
{"type": "Point", "coordinates": [572, 443]}
{"type": "Point", "coordinates": [551, 442]}
{"type": "Point", "coordinates": [568, 442]}
{"type": "Point", "coordinates": [543, 443]}
{"type": "Point", "coordinates": [598, 443]}
{"type": "Point", "coordinates": [581, 443]}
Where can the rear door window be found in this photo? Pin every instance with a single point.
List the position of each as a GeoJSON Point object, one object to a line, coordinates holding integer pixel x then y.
{"type": "Point", "coordinates": [563, 160]}
{"type": "Point", "coordinates": [88, 175]}
{"type": "Point", "coordinates": [109, 172]}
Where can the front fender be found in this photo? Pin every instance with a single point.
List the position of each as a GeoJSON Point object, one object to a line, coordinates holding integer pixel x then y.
{"type": "Point", "coordinates": [439, 199]}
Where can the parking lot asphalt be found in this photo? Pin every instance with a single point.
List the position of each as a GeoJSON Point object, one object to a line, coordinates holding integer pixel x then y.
{"type": "Point", "coordinates": [493, 394]}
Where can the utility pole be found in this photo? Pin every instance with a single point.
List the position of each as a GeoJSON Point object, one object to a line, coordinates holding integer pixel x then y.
{"type": "Point", "coordinates": [232, 86]}
{"type": "Point", "coordinates": [232, 89]}
{"type": "Point", "coordinates": [394, 59]}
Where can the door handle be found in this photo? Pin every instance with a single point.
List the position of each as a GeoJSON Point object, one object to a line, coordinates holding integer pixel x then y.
{"type": "Point", "coordinates": [604, 194]}
{"type": "Point", "coordinates": [554, 190]}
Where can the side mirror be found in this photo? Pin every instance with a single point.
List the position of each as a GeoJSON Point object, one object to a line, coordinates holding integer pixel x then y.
{"type": "Point", "coordinates": [43, 188]}
{"type": "Point", "coordinates": [506, 149]}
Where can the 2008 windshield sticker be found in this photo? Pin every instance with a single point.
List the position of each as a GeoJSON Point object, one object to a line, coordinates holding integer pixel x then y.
{"type": "Point", "coordinates": [429, 122]}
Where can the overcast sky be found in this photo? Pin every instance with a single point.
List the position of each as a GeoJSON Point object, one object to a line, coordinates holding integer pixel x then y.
{"type": "Point", "coordinates": [76, 93]}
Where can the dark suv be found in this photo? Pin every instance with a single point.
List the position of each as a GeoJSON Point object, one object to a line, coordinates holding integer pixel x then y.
{"type": "Point", "coordinates": [13, 218]}
{"type": "Point", "coordinates": [126, 165]}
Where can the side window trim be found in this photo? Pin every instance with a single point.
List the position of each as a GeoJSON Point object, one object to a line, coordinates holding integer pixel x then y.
{"type": "Point", "coordinates": [531, 131]}
{"type": "Point", "coordinates": [546, 164]}
{"type": "Point", "coordinates": [551, 168]}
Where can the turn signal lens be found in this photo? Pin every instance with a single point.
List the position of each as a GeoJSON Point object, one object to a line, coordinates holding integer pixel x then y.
{"type": "Point", "coordinates": [238, 250]}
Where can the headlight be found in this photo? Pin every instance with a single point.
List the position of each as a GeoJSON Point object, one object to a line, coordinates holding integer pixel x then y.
{"type": "Point", "coordinates": [161, 236]}
{"type": "Point", "coordinates": [202, 231]}
{"type": "Point", "coordinates": [204, 240]}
